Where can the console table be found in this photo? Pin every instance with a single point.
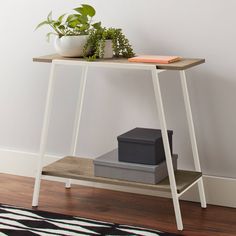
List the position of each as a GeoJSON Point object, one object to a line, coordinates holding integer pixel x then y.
{"type": "Point", "coordinates": [72, 167]}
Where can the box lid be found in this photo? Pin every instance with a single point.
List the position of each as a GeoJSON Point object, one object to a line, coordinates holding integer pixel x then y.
{"type": "Point", "coordinates": [111, 159]}
{"type": "Point", "coordinates": [142, 135]}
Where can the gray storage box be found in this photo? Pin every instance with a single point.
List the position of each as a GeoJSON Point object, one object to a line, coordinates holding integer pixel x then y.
{"type": "Point", "coordinates": [143, 146]}
{"type": "Point", "coordinates": [109, 166]}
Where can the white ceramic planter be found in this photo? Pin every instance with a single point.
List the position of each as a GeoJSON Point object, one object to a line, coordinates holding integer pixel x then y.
{"type": "Point", "coordinates": [108, 50]}
{"type": "Point", "coordinates": [71, 46]}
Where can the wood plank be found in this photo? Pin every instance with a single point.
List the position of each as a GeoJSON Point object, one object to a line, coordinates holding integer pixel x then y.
{"type": "Point", "coordinates": [184, 64]}
{"type": "Point", "coordinates": [83, 169]}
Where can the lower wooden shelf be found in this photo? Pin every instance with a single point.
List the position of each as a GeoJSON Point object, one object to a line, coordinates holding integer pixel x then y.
{"type": "Point", "coordinates": [83, 169]}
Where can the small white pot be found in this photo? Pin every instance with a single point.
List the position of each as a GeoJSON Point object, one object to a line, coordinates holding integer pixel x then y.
{"type": "Point", "coordinates": [108, 50]}
{"type": "Point", "coordinates": [71, 46]}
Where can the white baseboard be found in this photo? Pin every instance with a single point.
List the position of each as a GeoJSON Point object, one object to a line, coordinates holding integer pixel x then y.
{"type": "Point", "coordinates": [219, 191]}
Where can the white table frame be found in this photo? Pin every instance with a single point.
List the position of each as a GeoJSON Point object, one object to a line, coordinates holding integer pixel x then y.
{"type": "Point", "coordinates": [155, 79]}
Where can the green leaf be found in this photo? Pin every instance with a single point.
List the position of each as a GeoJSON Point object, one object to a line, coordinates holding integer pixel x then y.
{"type": "Point", "coordinates": [82, 18]}
{"type": "Point", "coordinates": [73, 24]}
{"type": "Point", "coordinates": [56, 23]}
{"type": "Point", "coordinates": [80, 10]}
{"type": "Point", "coordinates": [86, 10]}
{"type": "Point", "coordinates": [61, 27]}
{"type": "Point", "coordinates": [60, 19]}
{"type": "Point", "coordinates": [97, 25]}
{"type": "Point", "coordinates": [41, 24]}
{"type": "Point", "coordinates": [49, 17]}
{"type": "Point", "coordinates": [71, 18]}
{"type": "Point", "coordinates": [89, 10]}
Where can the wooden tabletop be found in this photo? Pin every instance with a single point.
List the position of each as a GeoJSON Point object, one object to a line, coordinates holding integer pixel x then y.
{"type": "Point", "coordinates": [183, 64]}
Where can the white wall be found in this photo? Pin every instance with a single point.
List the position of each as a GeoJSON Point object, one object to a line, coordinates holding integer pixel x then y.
{"type": "Point", "coordinates": [117, 101]}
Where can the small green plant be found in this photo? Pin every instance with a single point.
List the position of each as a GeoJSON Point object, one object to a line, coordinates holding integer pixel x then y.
{"type": "Point", "coordinates": [79, 23]}
{"type": "Point", "coordinates": [95, 45]}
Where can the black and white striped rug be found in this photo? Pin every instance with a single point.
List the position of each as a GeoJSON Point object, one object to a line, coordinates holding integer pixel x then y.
{"type": "Point", "coordinates": [22, 222]}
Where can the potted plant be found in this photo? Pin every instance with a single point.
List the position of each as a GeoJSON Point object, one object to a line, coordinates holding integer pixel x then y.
{"type": "Point", "coordinates": [106, 43]}
{"type": "Point", "coordinates": [72, 30]}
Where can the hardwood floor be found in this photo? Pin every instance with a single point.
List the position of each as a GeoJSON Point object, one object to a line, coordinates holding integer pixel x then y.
{"type": "Point", "coordinates": [124, 208]}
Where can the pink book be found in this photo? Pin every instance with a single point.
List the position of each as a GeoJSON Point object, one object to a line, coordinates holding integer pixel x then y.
{"type": "Point", "coordinates": [155, 59]}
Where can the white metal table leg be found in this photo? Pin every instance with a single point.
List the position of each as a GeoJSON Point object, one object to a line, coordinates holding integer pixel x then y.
{"type": "Point", "coordinates": [68, 184]}
{"type": "Point", "coordinates": [192, 137]}
{"type": "Point", "coordinates": [78, 116]}
{"type": "Point", "coordinates": [170, 169]}
{"type": "Point", "coordinates": [44, 135]}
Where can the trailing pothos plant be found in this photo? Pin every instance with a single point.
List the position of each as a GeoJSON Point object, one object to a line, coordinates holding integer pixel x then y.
{"type": "Point", "coordinates": [94, 48]}
{"type": "Point", "coordinates": [79, 23]}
